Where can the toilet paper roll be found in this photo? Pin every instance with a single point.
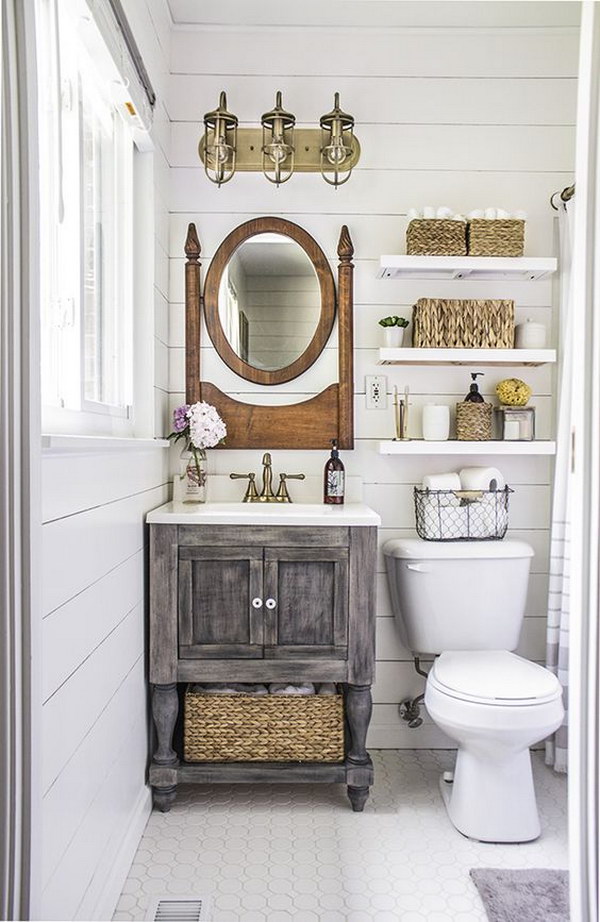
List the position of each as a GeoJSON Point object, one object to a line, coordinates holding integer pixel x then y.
{"type": "Point", "coordinates": [449, 481]}
{"type": "Point", "coordinates": [481, 478]}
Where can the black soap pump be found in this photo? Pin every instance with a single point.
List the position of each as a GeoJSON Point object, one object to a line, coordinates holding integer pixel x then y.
{"type": "Point", "coordinates": [333, 486]}
{"type": "Point", "coordinates": [474, 396]}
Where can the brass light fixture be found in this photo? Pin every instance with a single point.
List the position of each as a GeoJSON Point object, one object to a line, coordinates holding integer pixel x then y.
{"type": "Point", "coordinates": [337, 136]}
{"type": "Point", "coordinates": [278, 143]}
{"type": "Point", "coordinates": [219, 143]}
{"type": "Point", "coordinates": [277, 148]}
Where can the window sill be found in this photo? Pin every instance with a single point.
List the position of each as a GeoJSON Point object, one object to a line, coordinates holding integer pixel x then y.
{"type": "Point", "coordinates": [74, 444]}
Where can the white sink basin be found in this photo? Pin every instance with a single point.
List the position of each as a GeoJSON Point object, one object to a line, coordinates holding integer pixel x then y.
{"type": "Point", "coordinates": [262, 514]}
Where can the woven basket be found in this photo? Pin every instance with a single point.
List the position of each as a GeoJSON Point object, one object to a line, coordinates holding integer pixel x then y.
{"type": "Point", "coordinates": [436, 237]}
{"type": "Point", "coordinates": [473, 421]}
{"type": "Point", "coordinates": [445, 324]}
{"type": "Point", "coordinates": [496, 237]}
{"type": "Point", "coordinates": [273, 728]}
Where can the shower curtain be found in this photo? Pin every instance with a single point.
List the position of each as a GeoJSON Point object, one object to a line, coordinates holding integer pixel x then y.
{"type": "Point", "coordinates": [557, 641]}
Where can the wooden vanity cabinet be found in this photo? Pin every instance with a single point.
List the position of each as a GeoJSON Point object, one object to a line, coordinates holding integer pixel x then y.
{"type": "Point", "coordinates": [261, 604]}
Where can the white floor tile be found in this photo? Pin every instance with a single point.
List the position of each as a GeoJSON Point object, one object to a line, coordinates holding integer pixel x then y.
{"type": "Point", "coordinates": [270, 853]}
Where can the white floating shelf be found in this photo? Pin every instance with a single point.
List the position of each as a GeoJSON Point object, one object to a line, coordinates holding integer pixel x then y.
{"type": "Point", "coordinates": [477, 268]}
{"type": "Point", "coordinates": [421, 447]}
{"type": "Point", "coordinates": [416, 356]}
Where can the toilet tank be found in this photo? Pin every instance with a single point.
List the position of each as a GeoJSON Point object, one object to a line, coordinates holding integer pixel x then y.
{"type": "Point", "coordinates": [467, 595]}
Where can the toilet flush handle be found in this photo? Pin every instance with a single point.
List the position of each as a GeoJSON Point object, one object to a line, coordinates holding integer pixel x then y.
{"type": "Point", "coordinates": [419, 567]}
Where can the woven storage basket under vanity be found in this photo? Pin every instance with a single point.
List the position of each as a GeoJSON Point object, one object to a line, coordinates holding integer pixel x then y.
{"type": "Point", "coordinates": [271, 728]}
{"type": "Point", "coordinates": [463, 324]}
{"type": "Point", "coordinates": [436, 237]}
{"type": "Point", "coordinates": [497, 237]}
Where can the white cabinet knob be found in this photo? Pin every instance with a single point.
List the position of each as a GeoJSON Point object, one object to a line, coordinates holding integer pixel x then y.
{"type": "Point", "coordinates": [270, 603]}
{"type": "Point", "coordinates": [256, 603]}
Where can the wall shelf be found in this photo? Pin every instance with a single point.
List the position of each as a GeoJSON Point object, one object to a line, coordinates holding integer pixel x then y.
{"type": "Point", "coordinates": [454, 447]}
{"type": "Point", "coordinates": [476, 268]}
{"type": "Point", "coordinates": [514, 357]}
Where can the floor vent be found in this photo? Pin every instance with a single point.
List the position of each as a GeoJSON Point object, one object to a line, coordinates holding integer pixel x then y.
{"type": "Point", "coordinates": [179, 909]}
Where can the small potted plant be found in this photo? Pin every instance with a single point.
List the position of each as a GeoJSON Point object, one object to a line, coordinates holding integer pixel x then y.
{"type": "Point", "coordinates": [394, 330]}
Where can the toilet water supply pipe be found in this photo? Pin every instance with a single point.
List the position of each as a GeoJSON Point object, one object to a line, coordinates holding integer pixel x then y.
{"type": "Point", "coordinates": [410, 709]}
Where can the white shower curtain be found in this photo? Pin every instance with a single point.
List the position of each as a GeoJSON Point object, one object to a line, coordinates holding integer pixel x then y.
{"type": "Point", "coordinates": [557, 647]}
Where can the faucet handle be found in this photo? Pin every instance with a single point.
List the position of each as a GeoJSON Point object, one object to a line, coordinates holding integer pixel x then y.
{"type": "Point", "coordinates": [282, 495]}
{"type": "Point", "coordinates": [251, 494]}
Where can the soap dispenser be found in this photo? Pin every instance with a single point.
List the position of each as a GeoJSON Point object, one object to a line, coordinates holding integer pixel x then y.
{"type": "Point", "coordinates": [333, 486]}
{"type": "Point", "coordinates": [474, 396]}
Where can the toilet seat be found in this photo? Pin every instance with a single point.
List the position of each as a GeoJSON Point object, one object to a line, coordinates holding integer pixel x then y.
{"type": "Point", "coordinates": [493, 678]}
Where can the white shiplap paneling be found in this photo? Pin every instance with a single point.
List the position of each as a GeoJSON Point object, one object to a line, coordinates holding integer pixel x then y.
{"type": "Point", "coordinates": [468, 118]}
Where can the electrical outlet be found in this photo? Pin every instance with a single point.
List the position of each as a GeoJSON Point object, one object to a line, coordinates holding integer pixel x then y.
{"type": "Point", "coordinates": [376, 392]}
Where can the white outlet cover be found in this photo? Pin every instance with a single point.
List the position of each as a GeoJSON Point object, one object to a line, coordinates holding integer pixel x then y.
{"type": "Point", "coordinates": [376, 392]}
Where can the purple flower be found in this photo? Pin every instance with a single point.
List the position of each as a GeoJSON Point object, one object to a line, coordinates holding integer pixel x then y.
{"type": "Point", "coordinates": [180, 418]}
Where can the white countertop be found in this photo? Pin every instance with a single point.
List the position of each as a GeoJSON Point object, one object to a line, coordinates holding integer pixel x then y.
{"type": "Point", "coordinates": [262, 514]}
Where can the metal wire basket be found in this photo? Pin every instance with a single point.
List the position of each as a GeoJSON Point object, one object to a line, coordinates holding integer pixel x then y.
{"type": "Point", "coordinates": [461, 515]}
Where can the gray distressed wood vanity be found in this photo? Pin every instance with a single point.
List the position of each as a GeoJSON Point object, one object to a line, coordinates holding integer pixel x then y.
{"type": "Point", "coordinates": [269, 594]}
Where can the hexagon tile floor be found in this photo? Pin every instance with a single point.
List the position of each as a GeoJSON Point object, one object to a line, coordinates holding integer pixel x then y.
{"type": "Point", "coordinates": [276, 853]}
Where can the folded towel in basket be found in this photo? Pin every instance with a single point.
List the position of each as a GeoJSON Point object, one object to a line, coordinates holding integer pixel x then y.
{"type": "Point", "coordinates": [283, 688]}
{"type": "Point", "coordinates": [234, 688]}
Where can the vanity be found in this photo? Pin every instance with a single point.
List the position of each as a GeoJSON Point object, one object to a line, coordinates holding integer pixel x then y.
{"type": "Point", "coordinates": [266, 590]}
{"type": "Point", "coordinates": [262, 593]}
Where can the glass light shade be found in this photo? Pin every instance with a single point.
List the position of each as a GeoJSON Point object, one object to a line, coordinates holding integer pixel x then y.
{"type": "Point", "coordinates": [278, 142]}
{"type": "Point", "coordinates": [220, 139]}
{"type": "Point", "coordinates": [337, 132]}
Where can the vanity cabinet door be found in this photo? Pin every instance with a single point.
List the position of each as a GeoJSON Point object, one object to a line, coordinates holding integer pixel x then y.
{"type": "Point", "coordinates": [220, 602]}
{"type": "Point", "coordinates": [306, 602]}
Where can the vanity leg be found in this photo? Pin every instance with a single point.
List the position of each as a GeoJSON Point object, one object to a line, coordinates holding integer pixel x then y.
{"type": "Point", "coordinates": [165, 707]}
{"type": "Point", "coordinates": [359, 708]}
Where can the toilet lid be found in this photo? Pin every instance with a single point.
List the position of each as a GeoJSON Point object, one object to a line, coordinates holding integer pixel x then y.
{"type": "Point", "coordinates": [496, 676]}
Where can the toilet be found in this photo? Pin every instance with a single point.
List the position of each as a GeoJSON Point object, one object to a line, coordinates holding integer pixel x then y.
{"type": "Point", "coordinates": [464, 603]}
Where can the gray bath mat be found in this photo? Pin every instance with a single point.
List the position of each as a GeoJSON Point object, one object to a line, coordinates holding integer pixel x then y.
{"type": "Point", "coordinates": [529, 895]}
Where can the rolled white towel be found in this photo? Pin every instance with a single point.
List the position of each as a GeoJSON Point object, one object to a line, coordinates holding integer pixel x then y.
{"type": "Point", "coordinates": [501, 213]}
{"type": "Point", "coordinates": [490, 214]}
{"type": "Point", "coordinates": [413, 214]}
{"type": "Point", "coordinates": [458, 217]}
{"type": "Point", "coordinates": [476, 213]}
{"type": "Point", "coordinates": [520, 215]}
{"type": "Point", "coordinates": [251, 688]}
{"type": "Point", "coordinates": [283, 688]}
{"type": "Point", "coordinates": [443, 212]}
{"type": "Point", "coordinates": [450, 481]}
{"type": "Point", "coordinates": [481, 478]}
{"type": "Point", "coordinates": [326, 688]}
{"type": "Point", "coordinates": [428, 211]}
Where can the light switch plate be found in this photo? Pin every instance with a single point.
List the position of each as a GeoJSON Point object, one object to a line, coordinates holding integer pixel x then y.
{"type": "Point", "coordinates": [376, 392]}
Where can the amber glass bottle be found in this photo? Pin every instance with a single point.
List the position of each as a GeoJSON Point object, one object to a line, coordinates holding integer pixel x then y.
{"type": "Point", "coordinates": [333, 487]}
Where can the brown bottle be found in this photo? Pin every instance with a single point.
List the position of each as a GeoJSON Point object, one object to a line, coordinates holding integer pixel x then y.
{"type": "Point", "coordinates": [333, 487]}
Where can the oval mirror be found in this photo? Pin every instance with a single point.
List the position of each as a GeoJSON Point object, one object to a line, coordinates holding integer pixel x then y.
{"type": "Point", "coordinates": [269, 301]}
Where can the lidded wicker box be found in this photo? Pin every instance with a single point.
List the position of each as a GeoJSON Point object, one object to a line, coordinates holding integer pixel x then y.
{"type": "Point", "coordinates": [436, 237]}
{"type": "Point", "coordinates": [463, 324]}
{"type": "Point", "coordinates": [271, 728]}
{"type": "Point", "coordinates": [496, 237]}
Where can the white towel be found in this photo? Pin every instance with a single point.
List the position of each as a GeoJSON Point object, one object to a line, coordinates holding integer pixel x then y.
{"type": "Point", "coordinates": [326, 688]}
{"type": "Point", "coordinates": [233, 688]}
{"type": "Point", "coordinates": [283, 688]}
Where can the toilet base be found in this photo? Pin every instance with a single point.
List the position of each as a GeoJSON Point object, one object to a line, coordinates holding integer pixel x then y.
{"type": "Point", "coordinates": [492, 802]}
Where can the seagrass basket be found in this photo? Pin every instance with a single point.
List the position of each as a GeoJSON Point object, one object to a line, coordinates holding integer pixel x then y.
{"type": "Point", "coordinates": [473, 421]}
{"type": "Point", "coordinates": [499, 237]}
{"type": "Point", "coordinates": [436, 237]}
{"type": "Point", "coordinates": [273, 728]}
{"type": "Point", "coordinates": [440, 323]}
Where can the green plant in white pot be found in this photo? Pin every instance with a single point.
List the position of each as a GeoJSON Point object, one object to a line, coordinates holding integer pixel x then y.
{"type": "Point", "coordinates": [393, 328]}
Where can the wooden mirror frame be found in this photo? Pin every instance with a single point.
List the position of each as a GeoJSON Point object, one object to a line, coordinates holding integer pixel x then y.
{"type": "Point", "coordinates": [311, 424]}
{"type": "Point", "coordinates": [211, 300]}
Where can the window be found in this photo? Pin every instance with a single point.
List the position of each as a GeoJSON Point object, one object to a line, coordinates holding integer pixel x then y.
{"type": "Point", "coordinates": [86, 146]}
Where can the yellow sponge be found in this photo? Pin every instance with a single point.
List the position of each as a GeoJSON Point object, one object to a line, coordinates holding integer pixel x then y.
{"type": "Point", "coordinates": [513, 392]}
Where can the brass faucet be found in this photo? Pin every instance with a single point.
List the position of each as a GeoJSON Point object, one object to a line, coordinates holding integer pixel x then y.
{"type": "Point", "coordinates": [266, 494]}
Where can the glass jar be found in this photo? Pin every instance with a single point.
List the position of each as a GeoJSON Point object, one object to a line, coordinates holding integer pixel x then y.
{"type": "Point", "coordinates": [193, 474]}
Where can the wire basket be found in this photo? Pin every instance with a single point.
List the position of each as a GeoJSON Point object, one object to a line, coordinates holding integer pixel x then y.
{"type": "Point", "coordinates": [461, 515]}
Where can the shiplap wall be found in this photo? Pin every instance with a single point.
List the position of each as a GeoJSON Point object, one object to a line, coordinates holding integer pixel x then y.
{"type": "Point", "coordinates": [468, 118]}
{"type": "Point", "coordinates": [95, 711]}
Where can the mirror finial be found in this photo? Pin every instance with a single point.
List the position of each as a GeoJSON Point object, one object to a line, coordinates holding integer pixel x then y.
{"type": "Point", "coordinates": [345, 245]}
{"type": "Point", "coordinates": [192, 243]}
